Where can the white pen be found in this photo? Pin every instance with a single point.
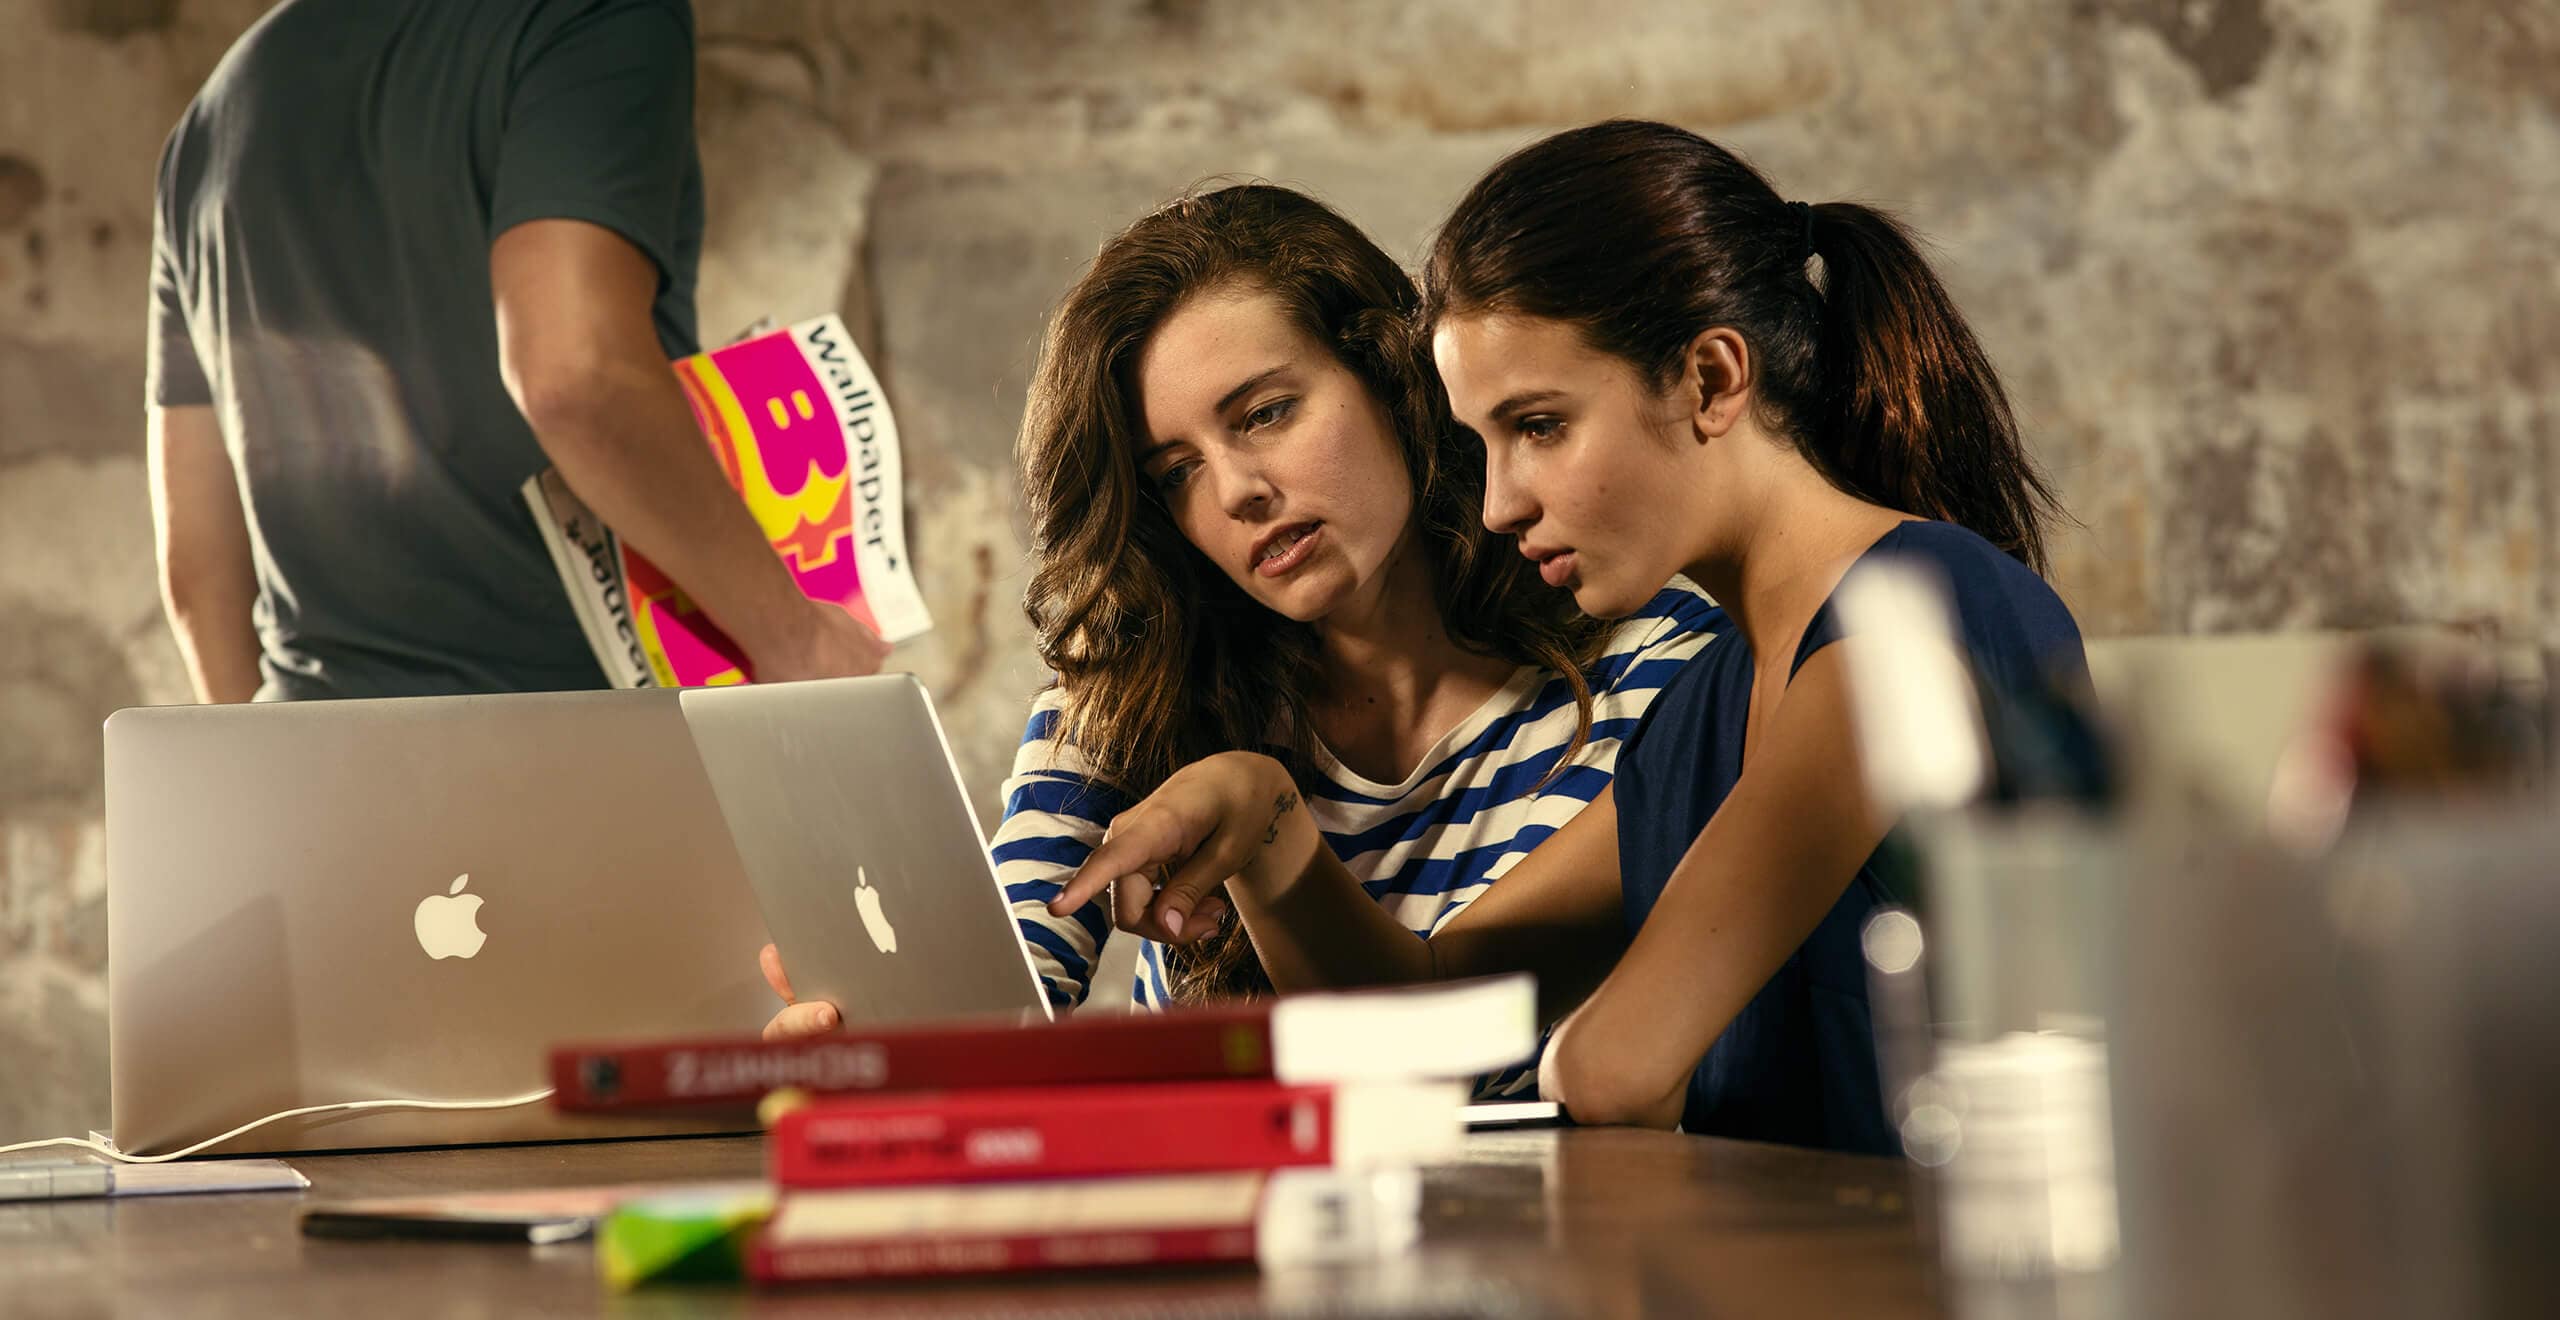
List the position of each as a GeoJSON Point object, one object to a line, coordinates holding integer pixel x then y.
{"type": "Point", "coordinates": [55, 1181]}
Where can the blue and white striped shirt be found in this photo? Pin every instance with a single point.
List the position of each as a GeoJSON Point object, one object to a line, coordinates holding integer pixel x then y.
{"type": "Point", "coordinates": [1424, 848]}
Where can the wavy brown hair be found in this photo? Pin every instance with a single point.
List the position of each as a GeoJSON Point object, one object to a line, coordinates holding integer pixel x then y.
{"type": "Point", "coordinates": [1160, 658]}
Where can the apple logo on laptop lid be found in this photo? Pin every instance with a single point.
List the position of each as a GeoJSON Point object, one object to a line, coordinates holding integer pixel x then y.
{"type": "Point", "coordinates": [448, 924]}
{"type": "Point", "coordinates": [866, 900]}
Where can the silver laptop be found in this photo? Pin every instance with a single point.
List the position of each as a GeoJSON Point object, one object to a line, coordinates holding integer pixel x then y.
{"type": "Point", "coordinates": [414, 899]}
{"type": "Point", "coordinates": [849, 815]}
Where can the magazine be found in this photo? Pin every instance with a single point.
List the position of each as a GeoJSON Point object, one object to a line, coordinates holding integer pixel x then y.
{"type": "Point", "coordinates": [805, 436]}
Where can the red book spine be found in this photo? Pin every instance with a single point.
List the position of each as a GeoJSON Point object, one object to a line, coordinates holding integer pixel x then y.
{"type": "Point", "coordinates": [1188, 1046]}
{"type": "Point", "coordinates": [1061, 1132]}
{"type": "Point", "coordinates": [895, 1258]}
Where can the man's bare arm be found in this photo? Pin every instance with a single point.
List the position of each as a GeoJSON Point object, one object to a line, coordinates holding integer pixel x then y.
{"type": "Point", "coordinates": [581, 358]}
{"type": "Point", "coordinates": [208, 583]}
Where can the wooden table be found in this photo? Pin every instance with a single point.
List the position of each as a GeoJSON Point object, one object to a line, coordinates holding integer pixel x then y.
{"type": "Point", "coordinates": [1586, 1222]}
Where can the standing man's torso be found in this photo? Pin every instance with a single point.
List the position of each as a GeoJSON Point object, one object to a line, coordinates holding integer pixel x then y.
{"type": "Point", "coordinates": [325, 213]}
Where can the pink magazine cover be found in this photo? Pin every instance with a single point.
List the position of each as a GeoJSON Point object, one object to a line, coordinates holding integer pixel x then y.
{"type": "Point", "coordinates": [802, 433]}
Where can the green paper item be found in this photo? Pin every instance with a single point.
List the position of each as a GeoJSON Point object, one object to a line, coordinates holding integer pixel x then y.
{"type": "Point", "coordinates": [681, 1238]}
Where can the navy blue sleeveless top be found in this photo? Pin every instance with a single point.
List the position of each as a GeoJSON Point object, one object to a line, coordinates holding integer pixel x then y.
{"type": "Point", "coordinates": [1798, 1064]}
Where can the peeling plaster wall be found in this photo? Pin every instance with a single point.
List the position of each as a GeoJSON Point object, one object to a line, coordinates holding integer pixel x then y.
{"type": "Point", "coordinates": [2276, 284]}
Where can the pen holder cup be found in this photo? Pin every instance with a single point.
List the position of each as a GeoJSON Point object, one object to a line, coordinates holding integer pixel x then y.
{"type": "Point", "coordinates": [2160, 1067]}
{"type": "Point", "coordinates": [2336, 1070]}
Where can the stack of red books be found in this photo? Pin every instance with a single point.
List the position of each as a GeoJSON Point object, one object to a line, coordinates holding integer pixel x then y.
{"type": "Point", "coordinates": [1282, 1130]}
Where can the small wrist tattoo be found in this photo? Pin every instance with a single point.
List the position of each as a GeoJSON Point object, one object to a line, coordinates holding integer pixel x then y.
{"type": "Point", "coordinates": [1280, 806]}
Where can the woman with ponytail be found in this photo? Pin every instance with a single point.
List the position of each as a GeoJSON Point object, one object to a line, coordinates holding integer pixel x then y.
{"type": "Point", "coordinates": [1674, 370]}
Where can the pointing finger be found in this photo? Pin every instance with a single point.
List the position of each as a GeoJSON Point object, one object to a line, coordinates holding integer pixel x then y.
{"type": "Point", "coordinates": [1120, 853]}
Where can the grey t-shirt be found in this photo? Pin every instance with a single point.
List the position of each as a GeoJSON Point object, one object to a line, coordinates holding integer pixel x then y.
{"type": "Point", "coordinates": [321, 277]}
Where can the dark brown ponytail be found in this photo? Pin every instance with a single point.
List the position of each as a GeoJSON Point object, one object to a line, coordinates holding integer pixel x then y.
{"type": "Point", "coordinates": [1643, 235]}
{"type": "Point", "coordinates": [1912, 414]}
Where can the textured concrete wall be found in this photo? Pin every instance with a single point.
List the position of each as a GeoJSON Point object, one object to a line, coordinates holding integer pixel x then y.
{"type": "Point", "coordinates": [2277, 285]}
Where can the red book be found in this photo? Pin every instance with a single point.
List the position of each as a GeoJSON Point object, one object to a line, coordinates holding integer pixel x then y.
{"type": "Point", "coordinates": [1184, 1219]}
{"type": "Point", "coordinates": [1103, 1131]}
{"type": "Point", "coordinates": [1456, 1029]}
{"type": "Point", "coordinates": [918, 1257]}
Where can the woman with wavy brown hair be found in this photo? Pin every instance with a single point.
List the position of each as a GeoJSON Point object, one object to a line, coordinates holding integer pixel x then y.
{"type": "Point", "coordinates": [1256, 533]}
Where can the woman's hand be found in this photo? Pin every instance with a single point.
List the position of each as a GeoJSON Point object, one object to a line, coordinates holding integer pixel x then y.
{"type": "Point", "coordinates": [796, 1020]}
{"type": "Point", "coordinates": [1234, 818]}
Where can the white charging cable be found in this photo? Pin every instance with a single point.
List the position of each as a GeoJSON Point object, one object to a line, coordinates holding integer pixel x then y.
{"type": "Point", "coordinates": [346, 1106]}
